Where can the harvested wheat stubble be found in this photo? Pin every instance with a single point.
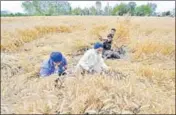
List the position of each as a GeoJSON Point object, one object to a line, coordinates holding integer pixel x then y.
{"type": "Point", "coordinates": [28, 35]}
{"type": "Point", "coordinates": [9, 65]}
{"type": "Point", "coordinates": [142, 90]}
{"type": "Point", "coordinates": [96, 99]}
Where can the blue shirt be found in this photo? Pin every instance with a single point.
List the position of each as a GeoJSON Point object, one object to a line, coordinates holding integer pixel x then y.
{"type": "Point", "coordinates": [48, 67]}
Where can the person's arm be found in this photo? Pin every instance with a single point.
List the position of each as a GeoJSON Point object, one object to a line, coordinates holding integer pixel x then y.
{"type": "Point", "coordinates": [44, 69]}
{"type": "Point", "coordinates": [85, 66]}
{"type": "Point", "coordinates": [102, 39]}
{"type": "Point", "coordinates": [85, 61]}
{"type": "Point", "coordinates": [44, 72]}
{"type": "Point", "coordinates": [65, 67]}
{"type": "Point", "coordinates": [106, 39]}
{"type": "Point", "coordinates": [65, 64]}
{"type": "Point", "coordinates": [62, 68]}
{"type": "Point", "coordinates": [109, 39]}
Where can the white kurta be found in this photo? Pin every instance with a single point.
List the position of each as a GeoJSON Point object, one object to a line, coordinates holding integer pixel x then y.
{"type": "Point", "coordinates": [91, 60]}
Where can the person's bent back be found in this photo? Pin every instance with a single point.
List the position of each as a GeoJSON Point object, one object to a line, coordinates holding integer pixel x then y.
{"type": "Point", "coordinates": [57, 63]}
{"type": "Point", "coordinates": [92, 60]}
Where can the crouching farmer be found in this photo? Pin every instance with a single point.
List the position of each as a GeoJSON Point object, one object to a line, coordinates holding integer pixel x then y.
{"type": "Point", "coordinates": [92, 61]}
{"type": "Point", "coordinates": [55, 64]}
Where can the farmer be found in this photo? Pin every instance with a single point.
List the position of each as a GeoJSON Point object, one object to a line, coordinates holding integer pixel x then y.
{"type": "Point", "coordinates": [55, 64]}
{"type": "Point", "coordinates": [108, 42]}
{"type": "Point", "coordinates": [92, 61]}
{"type": "Point", "coordinates": [107, 52]}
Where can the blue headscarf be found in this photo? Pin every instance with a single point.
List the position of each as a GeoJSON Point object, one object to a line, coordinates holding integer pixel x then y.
{"type": "Point", "coordinates": [56, 56]}
{"type": "Point", "coordinates": [98, 45]}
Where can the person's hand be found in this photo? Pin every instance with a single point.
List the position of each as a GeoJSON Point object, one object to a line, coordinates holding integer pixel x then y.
{"type": "Point", "coordinates": [65, 68]}
{"type": "Point", "coordinates": [90, 71]}
{"type": "Point", "coordinates": [107, 69]}
{"type": "Point", "coordinates": [101, 38]}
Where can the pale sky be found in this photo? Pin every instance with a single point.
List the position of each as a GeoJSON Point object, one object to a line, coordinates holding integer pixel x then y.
{"type": "Point", "coordinates": [15, 6]}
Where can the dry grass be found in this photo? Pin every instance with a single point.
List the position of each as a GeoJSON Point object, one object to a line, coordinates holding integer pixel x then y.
{"type": "Point", "coordinates": [122, 31]}
{"type": "Point", "coordinates": [80, 44]}
{"type": "Point", "coordinates": [148, 87]}
{"type": "Point", "coordinates": [157, 74]}
{"type": "Point", "coordinates": [28, 35]}
{"type": "Point", "coordinates": [150, 47]}
{"type": "Point", "coordinates": [99, 94]}
{"type": "Point", "coordinates": [97, 31]}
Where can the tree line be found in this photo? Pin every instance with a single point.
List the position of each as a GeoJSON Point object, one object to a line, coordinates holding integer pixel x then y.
{"type": "Point", "coordinates": [55, 8]}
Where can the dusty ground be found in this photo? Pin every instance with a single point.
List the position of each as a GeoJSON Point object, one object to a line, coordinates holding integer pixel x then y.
{"type": "Point", "coordinates": [149, 69]}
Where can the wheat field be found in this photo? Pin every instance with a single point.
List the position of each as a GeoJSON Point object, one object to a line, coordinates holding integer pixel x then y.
{"type": "Point", "coordinates": [143, 82]}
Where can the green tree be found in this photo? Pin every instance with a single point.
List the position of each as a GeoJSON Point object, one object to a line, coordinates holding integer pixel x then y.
{"type": "Point", "coordinates": [47, 7]}
{"type": "Point", "coordinates": [131, 6]}
{"type": "Point", "coordinates": [143, 10]}
{"type": "Point", "coordinates": [63, 7]}
{"type": "Point", "coordinates": [167, 13]}
{"type": "Point", "coordinates": [120, 9]}
{"type": "Point", "coordinates": [153, 7]}
{"type": "Point", "coordinates": [107, 9]}
{"type": "Point", "coordinates": [85, 11]}
{"type": "Point", "coordinates": [38, 10]}
{"type": "Point", "coordinates": [76, 11]}
{"type": "Point", "coordinates": [98, 7]}
{"type": "Point", "coordinates": [92, 10]}
{"type": "Point", "coordinates": [51, 9]}
{"type": "Point", "coordinates": [115, 10]}
{"type": "Point", "coordinates": [28, 7]}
